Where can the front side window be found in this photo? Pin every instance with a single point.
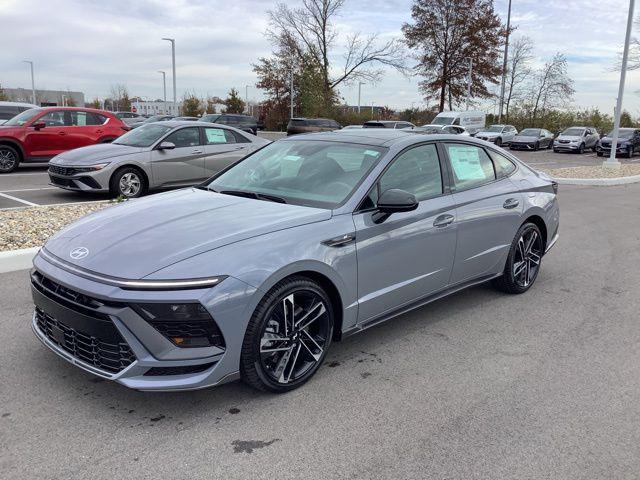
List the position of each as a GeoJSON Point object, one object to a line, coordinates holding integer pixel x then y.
{"type": "Point", "coordinates": [471, 166]}
{"type": "Point", "coordinates": [56, 119]}
{"type": "Point", "coordinates": [416, 171]}
{"type": "Point", "coordinates": [311, 173]}
{"type": "Point", "coordinates": [185, 137]}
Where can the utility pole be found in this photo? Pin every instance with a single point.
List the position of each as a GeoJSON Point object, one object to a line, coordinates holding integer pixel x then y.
{"type": "Point", "coordinates": [291, 94]}
{"type": "Point", "coordinates": [359, 91]}
{"type": "Point", "coordinates": [246, 97]}
{"type": "Point", "coordinates": [371, 110]}
{"type": "Point", "coordinates": [469, 82]}
{"type": "Point", "coordinates": [33, 85]}
{"type": "Point", "coordinates": [164, 89]}
{"type": "Point", "coordinates": [611, 161]}
{"type": "Point", "coordinates": [504, 65]}
{"type": "Point", "coordinates": [173, 68]}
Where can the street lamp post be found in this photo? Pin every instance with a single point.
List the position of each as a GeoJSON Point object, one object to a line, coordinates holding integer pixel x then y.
{"type": "Point", "coordinates": [246, 97]}
{"type": "Point", "coordinates": [504, 65]}
{"type": "Point", "coordinates": [173, 69]}
{"type": "Point", "coordinates": [164, 89]}
{"type": "Point", "coordinates": [359, 91]}
{"type": "Point", "coordinates": [291, 94]}
{"type": "Point", "coordinates": [33, 85]}
{"type": "Point", "coordinates": [611, 162]}
{"type": "Point", "coordinates": [469, 82]}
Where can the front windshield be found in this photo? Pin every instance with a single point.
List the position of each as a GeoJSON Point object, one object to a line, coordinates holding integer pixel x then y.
{"type": "Point", "coordinates": [22, 118]}
{"type": "Point", "coordinates": [623, 133]}
{"type": "Point", "coordinates": [144, 135]}
{"type": "Point", "coordinates": [530, 132]}
{"type": "Point", "coordinates": [495, 128]}
{"type": "Point", "coordinates": [303, 172]}
{"type": "Point", "coordinates": [573, 132]}
{"type": "Point", "coordinates": [155, 118]}
{"type": "Point", "coordinates": [443, 120]}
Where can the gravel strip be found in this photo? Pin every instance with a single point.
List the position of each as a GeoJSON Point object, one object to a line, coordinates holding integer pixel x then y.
{"type": "Point", "coordinates": [598, 171]}
{"type": "Point", "coordinates": [30, 227]}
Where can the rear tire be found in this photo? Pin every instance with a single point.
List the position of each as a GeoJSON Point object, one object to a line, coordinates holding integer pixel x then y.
{"type": "Point", "coordinates": [536, 147]}
{"type": "Point", "coordinates": [523, 262]}
{"type": "Point", "coordinates": [128, 182]}
{"type": "Point", "coordinates": [9, 159]}
{"type": "Point", "coordinates": [498, 142]}
{"type": "Point", "coordinates": [288, 336]}
{"type": "Point", "coordinates": [630, 152]}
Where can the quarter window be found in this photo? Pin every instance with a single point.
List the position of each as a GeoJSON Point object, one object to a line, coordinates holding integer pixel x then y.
{"type": "Point", "coordinates": [185, 137]}
{"type": "Point", "coordinates": [504, 167]}
{"type": "Point", "coordinates": [415, 171]}
{"type": "Point", "coordinates": [471, 165]}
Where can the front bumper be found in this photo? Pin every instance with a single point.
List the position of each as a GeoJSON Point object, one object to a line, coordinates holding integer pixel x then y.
{"type": "Point", "coordinates": [112, 341]}
{"type": "Point", "coordinates": [64, 177]}
{"type": "Point", "coordinates": [566, 147]}
{"type": "Point", "coordinates": [522, 145]}
{"type": "Point", "coordinates": [606, 149]}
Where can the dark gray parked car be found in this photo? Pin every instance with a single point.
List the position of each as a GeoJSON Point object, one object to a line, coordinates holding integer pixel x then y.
{"type": "Point", "coordinates": [532, 139]}
{"type": "Point", "coordinates": [313, 238]}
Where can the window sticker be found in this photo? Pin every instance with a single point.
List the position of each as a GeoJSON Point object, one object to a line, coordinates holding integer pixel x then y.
{"type": "Point", "coordinates": [466, 162]}
{"type": "Point", "coordinates": [215, 135]}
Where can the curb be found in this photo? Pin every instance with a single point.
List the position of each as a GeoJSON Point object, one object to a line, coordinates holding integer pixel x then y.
{"type": "Point", "coordinates": [17, 259]}
{"type": "Point", "coordinates": [598, 181]}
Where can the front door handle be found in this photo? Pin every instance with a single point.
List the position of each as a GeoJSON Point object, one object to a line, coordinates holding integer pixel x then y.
{"type": "Point", "coordinates": [510, 203]}
{"type": "Point", "coordinates": [443, 221]}
{"type": "Point", "coordinates": [62, 133]}
{"type": "Point", "coordinates": [196, 151]}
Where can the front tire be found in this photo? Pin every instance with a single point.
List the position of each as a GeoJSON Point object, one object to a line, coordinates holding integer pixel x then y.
{"type": "Point", "coordinates": [523, 262]}
{"type": "Point", "coordinates": [581, 149]}
{"type": "Point", "coordinates": [288, 336]}
{"type": "Point", "coordinates": [128, 182]}
{"type": "Point", "coordinates": [536, 147]}
{"type": "Point", "coordinates": [9, 159]}
{"type": "Point", "coordinates": [498, 142]}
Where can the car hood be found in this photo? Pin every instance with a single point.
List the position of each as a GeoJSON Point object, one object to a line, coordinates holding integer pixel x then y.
{"type": "Point", "coordinates": [94, 154]}
{"type": "Point", "coordinates": [525, 138]}
{"type": "Point", "coordinates": [135, 239]}
{"type": "Point", "coordinates": [620, 140]}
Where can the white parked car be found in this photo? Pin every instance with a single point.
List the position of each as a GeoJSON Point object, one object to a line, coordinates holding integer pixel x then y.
{"type": "Point", "coordinates": [472, 121]}
{"type": "Point", "coordinates": [498, 134]}
{"type": "Point", "coordinates": [444, 129]}
{"type": "Point", "coordinates": [8, 110]}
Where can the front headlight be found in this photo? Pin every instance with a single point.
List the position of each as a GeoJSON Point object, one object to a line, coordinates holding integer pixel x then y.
{"type": "Point", "coordinates": [185, 284]}
{"type": "Point", "coordinates": [186, 325]}
{"type": "Point", "coordinates": [90, 168]}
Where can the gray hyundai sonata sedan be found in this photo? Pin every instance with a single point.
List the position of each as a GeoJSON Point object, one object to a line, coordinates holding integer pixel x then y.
{"type": "Point", "coordinates": [156, 155]}
{"type": "Point", "coordinates": [254, 273]}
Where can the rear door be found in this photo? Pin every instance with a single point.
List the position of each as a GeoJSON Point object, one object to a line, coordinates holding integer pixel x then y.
{"type": "Point", "coordinates": [223, 147]}
{"type": "Point", "coordinates": [85, 129]}
{"type": "Point", "coordinates": [184, 165]}
{"type": "Point", "coordinates": [410, 254]}
{"type": "Point", "coordinates": [488, 210]}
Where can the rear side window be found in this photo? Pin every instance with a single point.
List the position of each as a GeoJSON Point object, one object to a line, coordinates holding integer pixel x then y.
{"type": "Point", "coordinates": [504, 167]}
{"type": "Point", "coordinates": [185, 137]}
{"type": "Point", "coordinates": [82, 119]}
{"type": "Point", "coordinates": [416, 171]}
{"type": "Point", "coordinates": [471, 166]}
{"type": "Point", "coordinates": [216, 135]}
{"type": "Point", "coordinates": [298, 123]}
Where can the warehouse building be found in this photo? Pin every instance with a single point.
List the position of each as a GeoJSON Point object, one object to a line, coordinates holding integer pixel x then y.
{"type": "Point", "coordinates": [46, 98]}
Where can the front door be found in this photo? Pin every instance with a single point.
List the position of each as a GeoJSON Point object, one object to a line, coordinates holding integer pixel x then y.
{"type": "Point", "coordinates": [52, 139]}
{"type": "Point", "coordinates": [488, 209]}
{"type": "Point", "coordinates": [222, 148]}
{"type": "Point", "coordinates": [409, 255]}
{"type": "Point", "coordinates": [182, 165]}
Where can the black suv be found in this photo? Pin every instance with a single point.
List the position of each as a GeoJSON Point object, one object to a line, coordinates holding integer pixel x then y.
{"type": "Point", "coordinates": [241, 122]}
{"type": "Point", "coordinates": [311, 125]}
{"type": "Point", "coordinates": [628, 143]}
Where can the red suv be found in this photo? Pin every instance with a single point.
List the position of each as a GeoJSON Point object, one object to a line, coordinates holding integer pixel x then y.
{"type": "Point", "coordinates": [38, 134]}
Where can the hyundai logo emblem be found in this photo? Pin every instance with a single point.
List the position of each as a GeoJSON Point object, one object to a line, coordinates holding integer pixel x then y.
{"type": "Point", "coordinates": [79, 252]}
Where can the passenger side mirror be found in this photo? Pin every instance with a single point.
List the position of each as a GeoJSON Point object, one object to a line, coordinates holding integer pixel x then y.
{"type": "Point", "coordinates": [393, 201]}
{"type": "Point", "coordinates": [166, 146]}
{"type": "Point", "coordinates": [39, 125]}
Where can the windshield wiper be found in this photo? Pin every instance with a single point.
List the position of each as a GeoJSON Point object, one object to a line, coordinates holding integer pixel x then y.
{"type": "Point", "coordinates": [255, 195]}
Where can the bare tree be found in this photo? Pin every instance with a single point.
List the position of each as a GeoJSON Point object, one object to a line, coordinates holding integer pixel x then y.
{"type": "Point", "coordinates": [551, 85]}
{"type": "Point", "coordinates": [309, 32]}
{"type": "Point", "coordinates": [518, 70]}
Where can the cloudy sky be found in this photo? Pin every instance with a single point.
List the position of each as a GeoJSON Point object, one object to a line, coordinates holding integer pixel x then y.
{"type": "Point", "coordinates": [89, 45]}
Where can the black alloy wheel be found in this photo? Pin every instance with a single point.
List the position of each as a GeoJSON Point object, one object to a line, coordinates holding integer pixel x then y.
{"type": "Point", "coordinates": [288, 336]}
{"type": "Point", "coordinates": [523, 262]}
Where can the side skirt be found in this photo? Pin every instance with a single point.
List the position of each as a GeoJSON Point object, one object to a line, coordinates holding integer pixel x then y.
{"type": "Point", "coordinates": [417, 304]}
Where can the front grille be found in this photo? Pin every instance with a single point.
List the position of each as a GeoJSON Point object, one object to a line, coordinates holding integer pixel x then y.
{"type": "Point", "coordinates": [564, 141]}
{"type": "Point", "coordinates": [58, 170]}
{"type": "Point", "coordinates": [58, 292]}
{"type": "Point", "coordinates": [111, 357]}
{"type": "Point", "coordinates": [607, 144]}
{"type": "Point", "coordinates": [61, 182]}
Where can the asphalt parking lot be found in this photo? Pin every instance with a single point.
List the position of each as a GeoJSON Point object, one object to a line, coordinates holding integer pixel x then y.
{"type": "Point", "coordinates": [479, 385]}
{"type": "Point", "coordinates": [29, 185]}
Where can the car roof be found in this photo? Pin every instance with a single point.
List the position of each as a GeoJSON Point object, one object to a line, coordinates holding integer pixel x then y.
{"type": "Point", "coordinates": [190, 123]}
{"type": "Point", "coordinates": [17, 104]}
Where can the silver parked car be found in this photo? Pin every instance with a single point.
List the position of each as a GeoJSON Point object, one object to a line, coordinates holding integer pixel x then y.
{"type": "Point", "coordinates": [576, 139]}
{"type": "Point", "coordinates": [311, 239]}
{"type": "Point", "coordinates": [498, 134]}
{"type": "Point", "coordinates": [450, 129]}
{"type": "Point", "coordinates": [532, 139]}
{"type": "Point", "coordinates": [155, 155]}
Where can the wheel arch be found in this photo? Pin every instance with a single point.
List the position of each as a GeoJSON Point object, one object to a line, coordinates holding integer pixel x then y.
{"type": "Point", "coordinates": [539, 222]}
{"type": "Point", "coordinates": [15, 144]}
{"type": "Point", "coordinates": [141, 169]}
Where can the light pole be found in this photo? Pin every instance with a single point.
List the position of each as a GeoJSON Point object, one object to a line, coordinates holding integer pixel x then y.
{"type": "Point", "coordinates": [33, 85]}
{"type": "Point", "coordinates": [173, 68]}
{"type": "Point", "coordinates": [291, 94]}
{"type": "Point", "coordinates": [504, 65]}
{"type": "Point", "coordinates": [64, 100]}
{"type": "Point", "coordinates": [164, 89]}
{"type": "Point", "coordinates": [246, 97]}
{"type": "Point", "coordinates": [469, 82]}
{"type": "Point", "coordinates": [611, 162]}
{"type": "Point", "coordinates": [359, 91]}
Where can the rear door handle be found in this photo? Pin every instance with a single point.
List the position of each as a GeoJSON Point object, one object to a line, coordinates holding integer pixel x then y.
{"type": "Point", "coordinates": [196, 151]}
{"type": "Point", "coordinates": [510, 203]}
{"type": "Point", "coordinates": [443, 221]}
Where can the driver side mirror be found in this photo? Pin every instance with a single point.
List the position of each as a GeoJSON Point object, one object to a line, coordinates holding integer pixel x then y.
{"type": "Point", "coordinates": [393, 201]}
{"type": "Point", "coordinates": [166, 146]}
{"type": "Point", "coordinates": [39, 125]}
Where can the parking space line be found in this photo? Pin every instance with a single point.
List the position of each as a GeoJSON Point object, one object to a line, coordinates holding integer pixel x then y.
{"type": "Point", "coordinates": [9, 175]}
{"type": "Point", "coordinates": [16, 199]}
{"type": "Point", "coordinates": [29, 189]}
